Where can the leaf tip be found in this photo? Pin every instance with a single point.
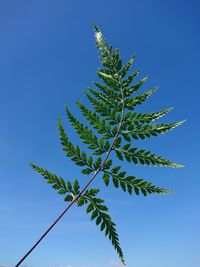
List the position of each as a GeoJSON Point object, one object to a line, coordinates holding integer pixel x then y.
{"type": "Point", "coordinates": [96, 28]}
{"type": "Point", "coordinates": [33, 166]}
{"type": "Point", "coordinates": [30, 164]}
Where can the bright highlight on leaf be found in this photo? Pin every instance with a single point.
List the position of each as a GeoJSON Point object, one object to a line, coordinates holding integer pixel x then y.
{"type": "Point", "coordinates": [115, 123]}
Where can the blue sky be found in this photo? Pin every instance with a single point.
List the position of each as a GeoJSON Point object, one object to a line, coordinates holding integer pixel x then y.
{"type": "Point", "coordinates": [48, 57]}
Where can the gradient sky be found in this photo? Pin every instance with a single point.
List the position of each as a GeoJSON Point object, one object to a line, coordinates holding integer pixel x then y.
{"type": "Point", "coordinates": [47, 58]}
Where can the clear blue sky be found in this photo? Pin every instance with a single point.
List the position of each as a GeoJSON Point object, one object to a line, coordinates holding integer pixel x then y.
{"type": "Point", "coordinates": [47, 56]}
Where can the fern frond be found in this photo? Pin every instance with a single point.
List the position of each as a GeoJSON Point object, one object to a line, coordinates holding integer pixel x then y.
{"type": "Point", "coordinates": [101, 44]}
{"type": "Point", "coordinates": [110, 80]}
{"type": "Point", "coordinates": [110, 119]}
{"type": "Point", "coordinates": [99, 124]}
{"type": "Point", "coordinates": [99, 146]}
{"type": "Point", "coordinates": [143, 157]}
{"type": "Point", "coordinates": [130, 78]}
{"type": "Point", "coordinates": [131, 184]}
{"type": "Point", "coordinates": [140, 118]}
{"type": "Point", "coordinates": [58, 183]}
{"type": "Point", "coordinates": [62, 134]}
{"type": "Point", "coordinates": [127, 67]}
{"type": "Point", "coordinates": [102, 109]}
{"type": "Point", "coordinates": [99, 212]}
{"type": "Point", "coordinates": [109, 58]}
{"type": "Point", "coordinates": [130, 103]}
{"type": "Point", "coordinates": [110, 102]}
{"type": "Point", "coordinates": [111, 94]}
{"type": "Point", "coordinates": [77, 156]}
{"type": "Point", "coordinates": [148, 130]}
{"type": "Point", "coordinates": [130, 90]}
{"type": "Point", "coordinates": [116, 60]}
{"type": "Point", "coordinates": [89, 193]}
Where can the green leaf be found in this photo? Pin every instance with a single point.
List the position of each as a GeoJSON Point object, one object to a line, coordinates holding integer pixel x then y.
{"type": "Point", "coordinates": [106, 178]}
{"type": "Point", "coordinates": [116, 169]}
{"type": "Point", "coordinates": [78, 157]}
{"type": "Point", "coordinates": [107, 164]}
{"type": "Point", "coordinates": [63, 136]}
{"type": "Point", "coordinates": [96, 121]}
{"type": "Point", "coordinates": [109, 80]}
{"type": "Point", "coordinates": [76, 186]}
{"type": "Point", "coordinates": [109, 92]}
{"type": "Point", "coordinates": [148, 130]}
{"type": "Point", "coordinates": [130, 183]}
{"type": "Point", "coordinates": [119, 155]}
{"type": "Point", "coordinates": [62, 191]}
{"type": "Point", "coordinates": [87, 171]}
{"type": "Point", "coordinates": [99, 211]}
{"type": "Point", "coordinates": [92, 192]}
{"type": "Point", "coordinates": [94, 214]}
{"type": "Point", "coordinates": [98, 220]}
{"type": "Point", "coordinates": [129, 91]}
{"type": "Point", "coordinates": [68, 198]}
{"type": "Point", "coordinates": [130, 103]}
{"type": "Point", "coordinates": [102, 109]}
{"type": "Point", "coordinates": [126, 136]}
{"type": "Point", "coordinates": [85, 134]}
{"type": "Point", "coordinates": [127, 67]}
{"type": "Point", "coordinates": [58, 183]}
{"type": "Point", "coordinates": [136, 118]}
{"type": "Point", "coordinates": [130, 78]}
{"type": "Point", "coordinates": [90, 208]}
{"type": "Point", "coordinates": [108, 101]}
{"type": "Point", "coordinates": [97, 163]}
{"type": "Point", "coordinates": [115, 182]}
{"type": "Point", "coordinates": [90, 161]}
{"type": "Point", "coordinates": [146, 158]}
